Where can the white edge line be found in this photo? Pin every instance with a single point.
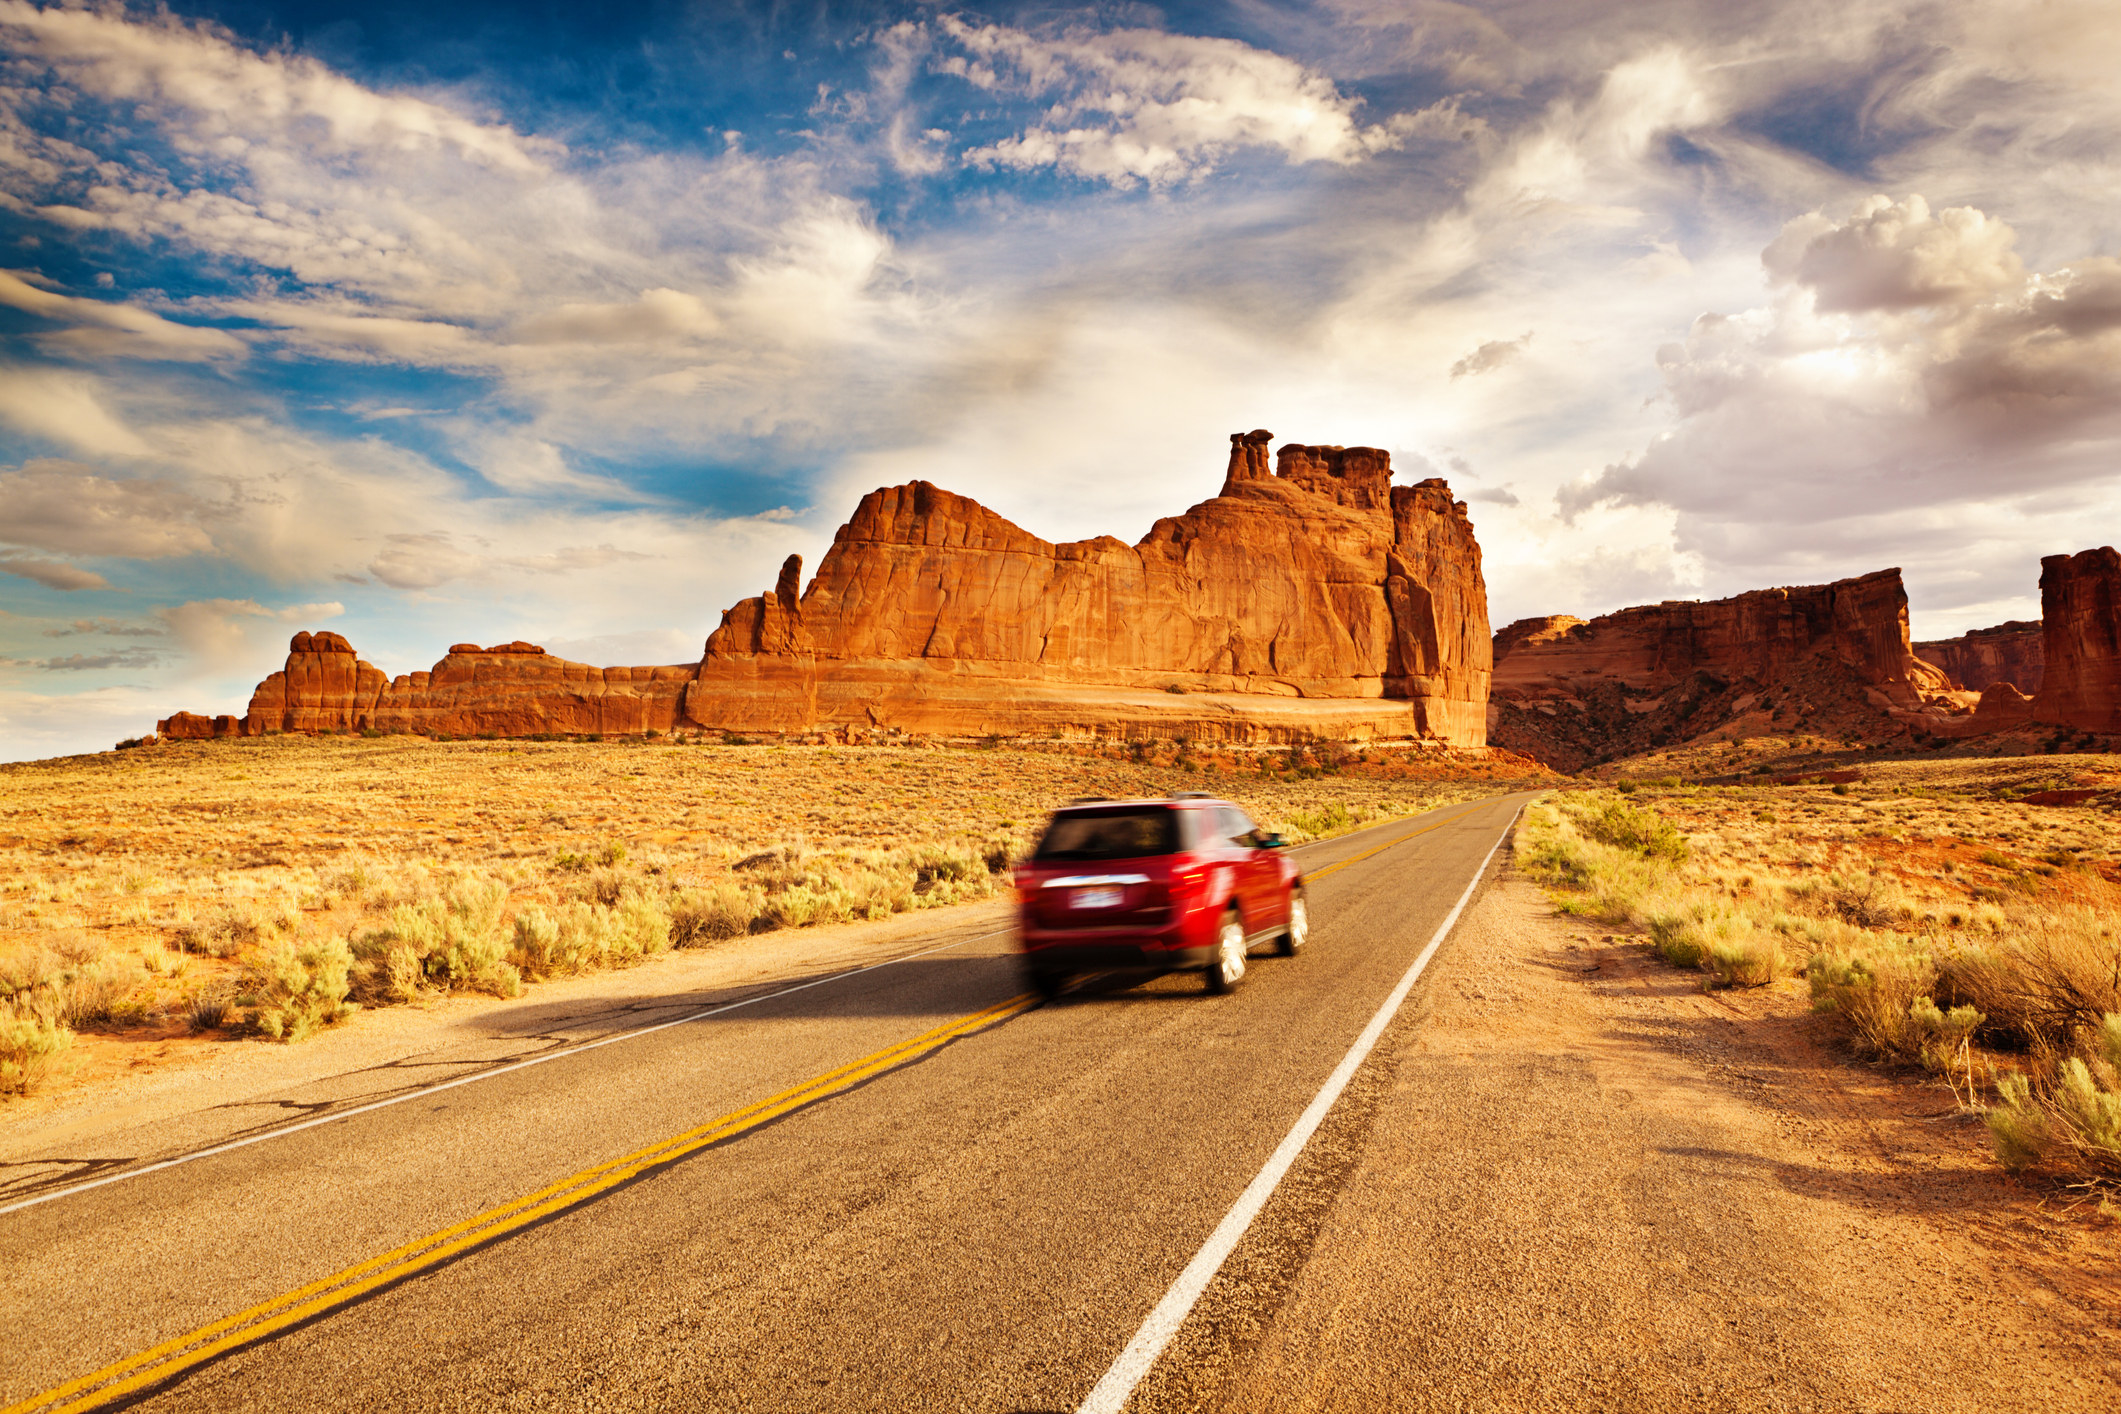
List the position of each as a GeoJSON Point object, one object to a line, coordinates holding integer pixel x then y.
{"type": "Point", "coordinates": [437, 1088]}
{"type": "Point", "coordinates": [1111, 1393]}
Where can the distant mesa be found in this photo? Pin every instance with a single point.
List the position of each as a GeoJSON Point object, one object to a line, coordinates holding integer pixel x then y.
{"type": "Point", "coordinates": [1831, 661]}
{"type": "Point", "coordinates": [2012, 653]}
{"type": "Point", "coordinates": [1309, 599]}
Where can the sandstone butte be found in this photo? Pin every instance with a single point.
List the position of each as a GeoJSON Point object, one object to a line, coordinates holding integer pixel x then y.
{"type": "Point", "coordinates": [1831, 659]}
{"type": "Point", "coordinates": [1308, 599]}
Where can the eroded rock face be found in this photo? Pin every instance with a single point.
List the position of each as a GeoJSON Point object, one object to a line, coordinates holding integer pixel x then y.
{"type": "Point", "coordinates": [510, 689]}
{"type": "Point", "coordinates": [1273, 609]}
{"type": "Point", "coordinates": [1311, 598]}
{"type": "Point", "coordinates": [2012, 653]}
{"type": "Point", "coordinates": [1811, 658]}
{"type": "Point", "coordinates": [2080, 617]}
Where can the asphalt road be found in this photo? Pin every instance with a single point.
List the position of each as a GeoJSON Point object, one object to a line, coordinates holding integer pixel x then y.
{"type": "Point", "coordinates": [979, 1220]}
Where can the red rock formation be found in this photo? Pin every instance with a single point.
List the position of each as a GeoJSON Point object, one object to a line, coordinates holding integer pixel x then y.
{"type": "Point", "coordinates": [1314, 599]}
{"type": "Point", "coordinates": [1570, 692]}
{"type": "Point", "coordinates": [323, 688]}
{"type": "Point", "coordinates": [1317, 600]}
{"type": "Point", "coordinates": [2009, 653]}
{"type": "Point", "coordinates": [1861, 623]}
{"type": "Point", "coordinates": [511, 689]}
{"type": "Point", "coordinates": [190, 726]}
{"type": "Point", "coordinates": [2080, 617]}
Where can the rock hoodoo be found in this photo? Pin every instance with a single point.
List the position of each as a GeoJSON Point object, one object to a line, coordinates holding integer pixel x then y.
{"type": "Point", "coordinates": [1814, 658]}
{"type": "Point", "coordinates": [2009, 653]}
{"type": "Point", "coordinates": [2080, 619]}
{"type": "Point", "coordinates": [1309, 599]}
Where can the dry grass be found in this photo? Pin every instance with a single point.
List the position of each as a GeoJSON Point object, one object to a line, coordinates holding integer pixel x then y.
{"type": "Point", "coordinates": [1943, 923]}
{"type": "Point", "coordinates": [274, 884]}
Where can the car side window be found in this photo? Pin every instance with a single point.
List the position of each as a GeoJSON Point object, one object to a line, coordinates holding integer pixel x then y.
{"type": "Point", "coordinates": [1236, 827]}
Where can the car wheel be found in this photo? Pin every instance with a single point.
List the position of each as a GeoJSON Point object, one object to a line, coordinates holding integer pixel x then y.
{"type": "Point", "coordinates": [1045, 981]}
{"type": "Point", "coordinates": [1228, 966]}
{"type": "Point", "coordinates": [1291, 942]}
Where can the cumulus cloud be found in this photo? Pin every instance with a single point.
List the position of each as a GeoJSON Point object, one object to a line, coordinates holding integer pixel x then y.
{"type": "Point", "coordinates": [1130, 106]}
{"type": "Point", "coordinates": [1894, 255]}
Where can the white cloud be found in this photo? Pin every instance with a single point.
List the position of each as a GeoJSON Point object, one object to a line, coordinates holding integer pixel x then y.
{"type": "Point", "coordinates": [1135, 105]}
{"type": "Point", "coordinates": [234, 97]}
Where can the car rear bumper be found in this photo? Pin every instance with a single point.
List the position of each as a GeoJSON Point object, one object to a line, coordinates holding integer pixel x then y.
{"type": "Point", "coordinates": [1083, 955]}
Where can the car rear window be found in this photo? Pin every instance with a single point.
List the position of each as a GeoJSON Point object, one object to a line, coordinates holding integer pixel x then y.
{"type": "Point", "coordinates": [1115, 834]}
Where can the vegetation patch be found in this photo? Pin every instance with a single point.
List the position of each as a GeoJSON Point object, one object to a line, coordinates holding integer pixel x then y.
{"type": "Point", "coordinates": [272, 886]}
{"type": "Point", "coordinates": [1967, 936]}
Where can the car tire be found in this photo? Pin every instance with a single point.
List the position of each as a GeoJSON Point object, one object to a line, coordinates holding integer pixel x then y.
{"type": "Point", "coordinates": [1227, 968]}
{"type": "Point", "coordinates": [1045, 981]}
{"type": "Point", "coordinates": [1293, 938]}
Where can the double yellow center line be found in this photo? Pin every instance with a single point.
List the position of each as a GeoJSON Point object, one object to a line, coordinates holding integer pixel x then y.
{"type": "Point", "coordinates": [173, 1357]}
{"type": "Point", "coordinates": [1335, 868]}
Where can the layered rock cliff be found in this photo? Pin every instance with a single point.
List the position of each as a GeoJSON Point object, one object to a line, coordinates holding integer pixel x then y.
{"type": "Point", "coordinates": [1312, 599]}
{"type": "Point", "coordinates": [2080, 618]}
{"type": "Point", "coordinates": [1308, 599]}
{"type": "Point", "coordinates": [1974, 661]}
{"type": "Point", "coordinates": [1820, 658]}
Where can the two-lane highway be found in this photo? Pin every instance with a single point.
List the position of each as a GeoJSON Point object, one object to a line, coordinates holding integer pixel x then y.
{"type": "Point", "coordinates": [908, 1188]}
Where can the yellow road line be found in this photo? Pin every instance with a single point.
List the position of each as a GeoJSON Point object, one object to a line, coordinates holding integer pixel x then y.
{"type": "Point", "coordinates": [172, 1357]}
{"type": "Point", "coordinates": [1331, 868]}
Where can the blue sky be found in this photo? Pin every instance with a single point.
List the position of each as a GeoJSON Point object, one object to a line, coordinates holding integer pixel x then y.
{"type": "Point", "coordinates": [432, 323]}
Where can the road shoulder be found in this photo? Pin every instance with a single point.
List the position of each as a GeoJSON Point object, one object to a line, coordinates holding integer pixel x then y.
{"type": "Point", "coordinates": [1570, 1179]}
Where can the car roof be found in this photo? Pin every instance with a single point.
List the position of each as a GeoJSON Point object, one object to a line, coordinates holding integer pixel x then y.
{"type": "Point", "coordinates": [1094, 804]}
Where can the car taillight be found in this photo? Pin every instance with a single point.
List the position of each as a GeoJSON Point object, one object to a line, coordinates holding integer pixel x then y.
{"type": "Point", "coordinates": [1185, 883]}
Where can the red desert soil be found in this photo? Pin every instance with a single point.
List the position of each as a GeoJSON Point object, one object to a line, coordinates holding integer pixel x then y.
{"type": "Point", "coordinates": [1572, 1180]}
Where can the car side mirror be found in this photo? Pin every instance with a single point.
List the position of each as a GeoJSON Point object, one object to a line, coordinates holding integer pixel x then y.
{"type": "Point", "coordinates": [1272, 841]}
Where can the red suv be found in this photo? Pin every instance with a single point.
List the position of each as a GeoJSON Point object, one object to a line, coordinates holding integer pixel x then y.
{"type": "Point", "coordinates": [1162, 885]}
